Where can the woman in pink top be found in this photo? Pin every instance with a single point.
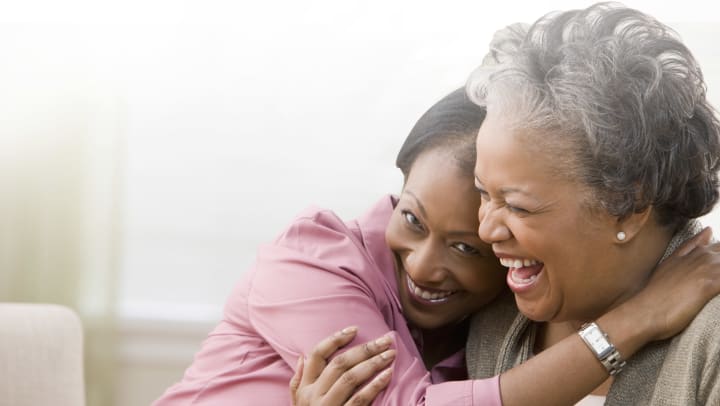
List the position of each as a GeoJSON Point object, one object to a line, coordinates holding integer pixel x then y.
{"type": "Point", "coordinates": [409, 271]}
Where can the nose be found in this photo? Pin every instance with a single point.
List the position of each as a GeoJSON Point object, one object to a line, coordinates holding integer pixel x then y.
{"type": "Point", "coordinates": [425, 263]}
{"type": "Point", "coordinates": [492, 226]}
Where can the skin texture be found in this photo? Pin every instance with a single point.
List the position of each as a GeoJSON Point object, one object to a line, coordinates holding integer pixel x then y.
{"type": "Point", "coordinates": [433, 234]}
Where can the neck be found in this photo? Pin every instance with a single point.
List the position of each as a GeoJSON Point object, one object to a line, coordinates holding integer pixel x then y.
{"type": "Point", "coordinates": [551, 333]}
{"type": "Point", "coordinates": [639, 258]}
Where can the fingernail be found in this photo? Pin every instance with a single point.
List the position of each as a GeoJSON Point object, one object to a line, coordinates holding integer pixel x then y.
{"type": "Point", "coordinates": [346, 331]}
{"type": "Point", "coordinates": [383, 341]}
{"type": "Point", "coordinates": [386, 355]}
{"type": "Point", "coordinates": [384, 375]}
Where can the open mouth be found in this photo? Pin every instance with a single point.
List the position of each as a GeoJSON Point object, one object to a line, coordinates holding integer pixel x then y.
{"type": "Point", "coordinates": [522, 273]}
{"type": "Point", "coordinates": [428, 296]}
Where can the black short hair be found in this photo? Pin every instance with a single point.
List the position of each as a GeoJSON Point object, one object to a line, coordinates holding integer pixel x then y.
{"type": "Point", "coordinates": [452, 123]}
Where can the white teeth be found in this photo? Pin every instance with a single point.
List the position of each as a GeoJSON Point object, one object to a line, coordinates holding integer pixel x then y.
{"type": "Point", "coordinates": [425, 294]}
{"type": "Point", "coordinates": [521, 281]}
{"type": "Point", "coordinates": [517, 263]}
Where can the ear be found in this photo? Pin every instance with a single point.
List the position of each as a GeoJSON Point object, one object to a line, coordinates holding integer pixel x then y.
{"type": "Point", "coordinates": [630, 226]}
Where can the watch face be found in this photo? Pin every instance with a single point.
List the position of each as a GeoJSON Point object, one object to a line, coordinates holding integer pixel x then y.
{"type": "Point", "coordinates": [597, 341]}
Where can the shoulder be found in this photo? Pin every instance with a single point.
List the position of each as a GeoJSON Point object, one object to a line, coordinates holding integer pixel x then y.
{"type": "Point", "coordinates": [322, 233]}
{"type": "Point", "coordinates": [313, 226]}
{"type": "Point", "coordinates": [689, 373]}
{"type": "Point", "coordinates": [320, 253]}
{"type": "Point", "coordinates": [704, 331]}
{"type": "Point", "coordinates": [490, 337]}
{"type": "Point", "coordinates": [697, 348]}
{"type": "Point", "coordinates": [316, 237]}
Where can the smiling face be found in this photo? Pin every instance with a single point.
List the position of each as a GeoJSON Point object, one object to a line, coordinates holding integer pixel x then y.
{"type": "Point", "coordinates": [444, 270]}
{"type": "Point", "coordinates": [563, 261]}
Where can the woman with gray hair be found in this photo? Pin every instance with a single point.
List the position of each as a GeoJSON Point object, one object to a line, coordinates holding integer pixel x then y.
{"type": "Point", "coordinates": [598, 152]}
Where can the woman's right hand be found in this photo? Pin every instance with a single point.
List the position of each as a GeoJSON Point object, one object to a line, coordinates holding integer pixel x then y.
{"type": "Point", "coordinates": [679, 288]}
{"type": "Point", "coordinates": [354, 377]}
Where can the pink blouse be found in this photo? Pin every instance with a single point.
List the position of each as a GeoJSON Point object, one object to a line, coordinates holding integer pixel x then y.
{"type": "Point", "coordinates": [317, 277]}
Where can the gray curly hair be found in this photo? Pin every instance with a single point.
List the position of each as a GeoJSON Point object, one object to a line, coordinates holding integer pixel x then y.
{"type": "Point", "coordinates": [618, 93]}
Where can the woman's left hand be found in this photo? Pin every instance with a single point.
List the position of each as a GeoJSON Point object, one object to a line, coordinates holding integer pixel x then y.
{"type": "Point", "coordinates": [348, 378]}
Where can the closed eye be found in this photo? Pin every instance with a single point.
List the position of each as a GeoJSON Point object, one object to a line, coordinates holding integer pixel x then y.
{"type": "Point", "coordinates": [517, 210]}
{"type": "Point", "coordinates": [483, 193]}
{"type": "Point", "coordinates": [485, 196]}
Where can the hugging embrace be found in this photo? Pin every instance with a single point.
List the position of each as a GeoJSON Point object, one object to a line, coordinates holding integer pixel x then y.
{"type": "Point", "coordinates": [543, 250]}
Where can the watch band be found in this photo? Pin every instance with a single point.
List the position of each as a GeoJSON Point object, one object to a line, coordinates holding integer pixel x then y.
{"type": "Point", "coordinates": [598, 342]}
{"type": "Point", "coordinates": [613, 362]}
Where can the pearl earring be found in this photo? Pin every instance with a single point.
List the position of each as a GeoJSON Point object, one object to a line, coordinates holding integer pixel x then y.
{"type": "Point", "coordinates": [621, 236]}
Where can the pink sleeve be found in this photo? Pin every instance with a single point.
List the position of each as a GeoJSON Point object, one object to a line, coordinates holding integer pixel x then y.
{"type": "Point", "coordinates": [304, 292]}
{"type": "Point", "coordinates": [315, 280]}
{"type": "Point", "coordinates": [316, 290]}
{"type": "Point", "coordinates": [479, 392]}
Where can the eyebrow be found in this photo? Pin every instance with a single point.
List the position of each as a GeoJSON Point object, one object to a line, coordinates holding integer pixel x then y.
{"type": "Point", "coordinates": [506, 190]}
{"type": "Point", "coordinates": [417, 201]}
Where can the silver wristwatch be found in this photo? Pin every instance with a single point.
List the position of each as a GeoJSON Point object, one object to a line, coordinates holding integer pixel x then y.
{"type": "Point", "coordinates": [605, 352]}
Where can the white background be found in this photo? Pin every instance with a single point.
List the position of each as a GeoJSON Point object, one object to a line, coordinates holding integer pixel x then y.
{"type": "Point", "coordinates": [236, 115]}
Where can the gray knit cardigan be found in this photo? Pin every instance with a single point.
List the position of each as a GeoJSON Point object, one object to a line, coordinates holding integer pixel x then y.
{"type": "Point", "coordinates": [684, 370]}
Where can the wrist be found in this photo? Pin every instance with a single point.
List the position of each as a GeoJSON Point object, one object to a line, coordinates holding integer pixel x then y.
{"type": "Point", "coordinates": [605, 351]}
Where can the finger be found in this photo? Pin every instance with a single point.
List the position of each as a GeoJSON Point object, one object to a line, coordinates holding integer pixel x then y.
{"type": "Point", "coordinates": [352, 357]}
{"type": "Point", "coordinates": [295, 381]}
{"type": "Point", "coordinates": [348, 360]}
{"type": "Point", "coordinates": [714, 247]}
{"type": "Point", "coordinates": [357, 376]}
{"type": "Point", "coordinates": [700, 239]}
{"type": "Point", "coordinates": [369, 392]}
{"type": "Point", "coordinates": [317, 360]}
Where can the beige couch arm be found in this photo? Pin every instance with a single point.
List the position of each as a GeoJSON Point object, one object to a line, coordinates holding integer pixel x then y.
{"type": "Point", "coordinates": [41, 356]}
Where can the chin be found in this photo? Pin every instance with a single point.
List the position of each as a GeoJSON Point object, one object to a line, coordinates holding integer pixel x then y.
{"type": "Point", "coordinates": [428, 324]}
